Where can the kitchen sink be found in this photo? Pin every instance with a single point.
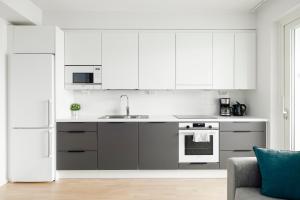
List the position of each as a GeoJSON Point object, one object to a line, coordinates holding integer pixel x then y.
{"type": "Point", "coordinates": [124, 117]}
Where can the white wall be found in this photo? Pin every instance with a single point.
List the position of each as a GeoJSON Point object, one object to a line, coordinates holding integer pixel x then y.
{"type": "Point", "coordinates": [268, 96]}
{"type": "Point", "coordinates": [93, 20]}
{"type": "Point", "coordinates": [153, 102]}
{"type": "Point", "coordinates": [3, 96]}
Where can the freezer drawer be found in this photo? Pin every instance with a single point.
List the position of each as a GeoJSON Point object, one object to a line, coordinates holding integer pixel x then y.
{"type": "Point", "coordinates": [243, 126]}
{"type": "Point", "coordinates": [76, 126]}
{"type": "Point", "coordinates": [76, 141]}
{"type": "Point", "coordinates": [224, 155]}
{"type": "Point", "coordinates": [242, 140]}
{"type": "Point", "coordinates": [77, 160]}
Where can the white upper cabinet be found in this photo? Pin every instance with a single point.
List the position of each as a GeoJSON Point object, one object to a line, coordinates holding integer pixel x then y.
{"type": "Point", "coordinates": [120, 60]}
{"type": "Point", "coordinates": [194, 60]}
{"type": "Point", "coordinates": [245, 60]}
{"type": "Point", "coordinates": [82, 47]}
{"type": "Point", "coordinates": [223, 60]}
{"type": "Point", "coordinates": [157, 60]}
{"type": "Point", "coordinates": [33, 39]}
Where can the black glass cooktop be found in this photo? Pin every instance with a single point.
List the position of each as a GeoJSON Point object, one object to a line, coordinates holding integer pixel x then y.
{"type": "Point", "coordinates": [195, 117]}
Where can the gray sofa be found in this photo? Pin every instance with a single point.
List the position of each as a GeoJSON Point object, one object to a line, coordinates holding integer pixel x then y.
{"type": "Point", "coordinates": [244, 180]}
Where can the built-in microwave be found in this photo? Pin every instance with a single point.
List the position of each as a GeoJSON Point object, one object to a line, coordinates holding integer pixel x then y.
{"type": "Point", "coordinates": [83, 77]}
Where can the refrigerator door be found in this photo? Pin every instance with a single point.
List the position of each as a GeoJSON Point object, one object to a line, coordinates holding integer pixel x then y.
{"type": "Point", "coordinates": [30, 155]}
{"type": "Point", "coordinates": [31, 90]}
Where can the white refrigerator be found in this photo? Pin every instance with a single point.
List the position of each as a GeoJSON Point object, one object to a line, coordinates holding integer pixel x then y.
{"type": "Point", "coordinates": [31, 118]}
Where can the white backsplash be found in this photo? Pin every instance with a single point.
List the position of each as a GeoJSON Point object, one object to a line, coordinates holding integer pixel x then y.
{"type": "Point", "coordinates": [154, 102]}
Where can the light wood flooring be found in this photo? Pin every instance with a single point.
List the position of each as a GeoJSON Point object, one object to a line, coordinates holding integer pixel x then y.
{"type": "Point", "coordinates": [117, 189]}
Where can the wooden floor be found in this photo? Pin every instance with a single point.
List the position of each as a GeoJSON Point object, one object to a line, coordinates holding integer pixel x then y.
{"type": "Point", "coordinates": [120, 189]}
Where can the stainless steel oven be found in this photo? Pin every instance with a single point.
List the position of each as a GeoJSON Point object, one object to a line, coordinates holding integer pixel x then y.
{"type": "Point", "coordinates": [198, 142]}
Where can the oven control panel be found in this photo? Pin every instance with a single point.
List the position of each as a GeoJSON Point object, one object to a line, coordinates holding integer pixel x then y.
{"type": "Point", "coordinates": [199, 125]}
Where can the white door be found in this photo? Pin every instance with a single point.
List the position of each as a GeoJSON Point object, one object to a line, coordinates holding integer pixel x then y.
{"type": "Point", "coordinates": [223, 60]}
{"type": "Point", "coordinates": [194, 60]}
{"type": "Point", "coordinates": [31, 90]}
{"type": "Point", "coordinates": [157, 60]}
{"type": "Point", "coordinates": [33, 39]}
{"type": "Point", "coordinates": [120, 60]}
{"type": "Point", "coordinates": [30, 158]}
{"type": "Point", "coordinates": [82, 47]}
{"type": "Point", "coordinates": [245, 60]}
{"type": "Point", "coordinates": [291, 106]}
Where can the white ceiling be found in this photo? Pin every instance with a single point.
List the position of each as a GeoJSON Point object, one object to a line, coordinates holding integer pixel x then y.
{"type": "Point", "coordinates": [148, 6]}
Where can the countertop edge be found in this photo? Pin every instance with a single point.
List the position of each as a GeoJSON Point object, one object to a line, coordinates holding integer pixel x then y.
{"type": "Point", "coordinates": [167, 119]}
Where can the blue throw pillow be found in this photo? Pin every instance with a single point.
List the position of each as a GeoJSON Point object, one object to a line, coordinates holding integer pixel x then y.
{"type": "Point", "coordinates": [280, 173]}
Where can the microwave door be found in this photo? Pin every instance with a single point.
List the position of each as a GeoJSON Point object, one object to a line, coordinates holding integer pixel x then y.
{"type": "Point", "coordinates": [83, 78]}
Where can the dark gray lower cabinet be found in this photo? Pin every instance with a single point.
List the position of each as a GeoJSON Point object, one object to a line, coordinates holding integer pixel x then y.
{"type": "Point", "coordinates": [158, 145]}
{"type": "Point", "coordinates": [77, 147]}
{"type": "Point", "coordinates": [118, 146]}
{"type": "Point", "coordinates": [77, 160]}
{"type": "Point", "coordinates": [224, 155]}
{"type": "Point", "coordinates": [238, 138]}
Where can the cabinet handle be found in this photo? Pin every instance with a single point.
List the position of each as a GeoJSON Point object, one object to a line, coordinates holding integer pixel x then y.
{"type": "Point", "coordinates": [49, 144]}
{"type": "Point", "coordinates": [242, 150]}
{"type": "Point", "coordinates": [241, 131]}
{"type": "Point", "coordinates": [76, 151]}
{"type": "Point", "coordinates": [199, 163]}
{"type": "Point", "coordinates": [76, 132]}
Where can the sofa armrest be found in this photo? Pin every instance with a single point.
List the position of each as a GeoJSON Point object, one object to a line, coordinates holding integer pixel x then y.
{"type": "Point", "coordinates": [242, 172]}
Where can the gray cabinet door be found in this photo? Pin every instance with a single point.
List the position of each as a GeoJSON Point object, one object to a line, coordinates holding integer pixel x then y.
{"type": "Point", "coordinates": [242, 140]}
{"type": "Point", "coordinates": [224, 155]}
{"type": "Point", "coordinates": [158, 145]}
{"type": "Point", "coordinates": [118, 146]}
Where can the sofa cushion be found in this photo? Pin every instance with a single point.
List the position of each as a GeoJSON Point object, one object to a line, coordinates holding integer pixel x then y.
{"type": "Point", "coordinates": [245, 193]}
{"type": "Point", "coordinates": [280, 172]}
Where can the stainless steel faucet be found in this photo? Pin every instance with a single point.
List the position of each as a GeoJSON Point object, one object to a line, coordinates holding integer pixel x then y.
{"type": "Point", "coordinates": [127, 107]}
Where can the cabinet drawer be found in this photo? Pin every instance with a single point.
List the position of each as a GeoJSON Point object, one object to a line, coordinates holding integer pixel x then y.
{"type": "Point", "coordinates": [243, 126]}
{"type": "Point", "coordinates": [224, 155]}
{"type": "Point", "coordinates": [241, 140]}
{"type": "Point", "coordinates": [77, 160]}
{"type": "Point", "coordinates": [76, 141]}
{"type": "Point", "coordinates": [199, 165]}
{"type": "Point", "coordinates": [76, 126]}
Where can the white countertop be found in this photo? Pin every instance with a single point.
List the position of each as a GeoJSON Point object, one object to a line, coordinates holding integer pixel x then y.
{"type": "Point", "coordinates": [166, 118]}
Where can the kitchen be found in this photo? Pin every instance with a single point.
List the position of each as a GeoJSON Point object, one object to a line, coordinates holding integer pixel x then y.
{"type": "Point", "coordinates": [128, 99]}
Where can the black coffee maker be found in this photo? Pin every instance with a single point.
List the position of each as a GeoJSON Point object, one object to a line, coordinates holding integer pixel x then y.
{"type": "Point", "coordinates": [239, 109]}
{"type": "Point", "coordinates": [225, 109]}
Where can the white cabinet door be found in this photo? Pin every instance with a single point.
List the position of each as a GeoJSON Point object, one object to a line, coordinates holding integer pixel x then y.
{"type": "Point", "coordinates": [245, 60]}
{"type": "Point", "coordinates": [157, 60]}
{"type": "Point", "coordinates": [120, 60]}
{"type": "Point", "coordinates": [82, 47]}
{"type": "Point", "coordinates": [33, 39]}
{"type": "Point", "coordinates": [30, 155]}
{"type": "Point", "coordinates": [194, 60]}
{"type": "Point", "coordinates": [223, 60]}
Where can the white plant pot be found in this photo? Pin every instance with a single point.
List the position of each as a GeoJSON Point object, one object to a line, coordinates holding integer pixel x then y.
{"type": "Point", "coordinates": [74, 114]}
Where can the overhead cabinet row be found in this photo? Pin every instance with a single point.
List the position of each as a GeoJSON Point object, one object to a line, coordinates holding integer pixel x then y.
{"type": "Point", "coordinates": [155, 59]}
{"type": "Point", "coordinates": [166, 59]}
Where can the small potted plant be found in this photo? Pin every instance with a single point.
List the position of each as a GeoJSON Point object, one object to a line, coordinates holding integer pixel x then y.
{"type": "Point", "coordinates": [75, 107]}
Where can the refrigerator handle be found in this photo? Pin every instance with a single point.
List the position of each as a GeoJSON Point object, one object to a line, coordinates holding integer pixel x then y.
{"type": "Point", "coordinates": [49, 107]}
{"type": "Point", "coordinates": [49, 144]}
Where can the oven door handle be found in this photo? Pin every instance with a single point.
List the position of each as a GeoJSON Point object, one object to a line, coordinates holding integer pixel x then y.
{"type": "Point", "coordinates": [191, 132]}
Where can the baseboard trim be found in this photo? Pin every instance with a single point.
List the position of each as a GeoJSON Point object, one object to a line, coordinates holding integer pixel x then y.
{"type": "Point", "coordinates": [111, 174]}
